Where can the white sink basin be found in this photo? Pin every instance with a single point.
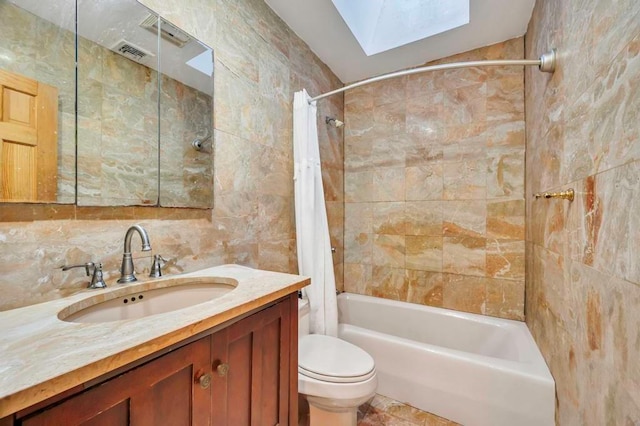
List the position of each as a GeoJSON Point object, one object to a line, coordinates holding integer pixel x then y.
{"type": "Point", "coordinates": [150, 298]}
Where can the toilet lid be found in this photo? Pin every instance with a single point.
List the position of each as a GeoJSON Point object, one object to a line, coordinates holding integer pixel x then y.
{"type": "Point", "coordinates": [333, 360]}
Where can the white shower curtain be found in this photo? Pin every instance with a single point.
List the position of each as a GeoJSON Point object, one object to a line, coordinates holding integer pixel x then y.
{"type": "Point", "coordinates": [312, 227]}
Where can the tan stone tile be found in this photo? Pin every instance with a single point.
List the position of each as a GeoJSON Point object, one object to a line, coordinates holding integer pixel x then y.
{"type": "Point", "coordinates": [276, 218]}
{"type": "Point", "coordinates": [505, 98]}
{"type": "Point", "coordinates": [504, 173]}
{"type": "Point", "coordinates": [358, 247]}
{"type": "Point", "coordinates": [358, 186]}
{"type": "Point", "coordinates": [424, 119]}
{"type": "Point", "coordinates": [389, 283]}
{"type": "Point", "coordinates": [17, 212]}
{"type": "Point", "coordinates": [464, 255]}
{"type": "Point", "coordinates": [274, 255]}
{"type": "Point", "coordinates": [358, 98]}
{"type": "Point", "coordinates": [505, 259]}
{"type": "Point", "coordinates": [465, 180]}
{"type": "Point", "coordinates": [464, 293]}
{"type": "Point", "coordinates": [467, 104]}
{"type": "Point", "coordinates": [425, 287]}
{"type": "Point", "coordinates": [506, 133]}
{"type": "Point", "coordinates": [505, 299]}
{"type": "Point", "coordinates": [389, 218]}
{"type": "Point", "coordinates": [423, 150]}
{"type": "Point", "coordinates": [388, 184]}
{"type": "Point", "coordinates": [389, 150]}
{"type": "Point", "coordinates": [424, 182]}
{"type": "Point", "coordinates": [358, 217]}
{"type": "Point", "coordinates": [465, 218]}
{"type": "Point", "coordinates": [506, 219]}
{"type": "Point", "coordinates": [389, 91]}
{"type": "Point", "coordinates": [357, 278]}
{"type": "Point", "coordinates": [358, 120]}
{"type": "Point", "coordinates": [358, 151]}
{"type": "Point", "coordinates": [424, 253]}
{"type": "Point", "coordinates": [389, 119]}
{"type": "Point", "coordinates": [424, 218]}
{"type": "Point", "coordinates": [389, 250]}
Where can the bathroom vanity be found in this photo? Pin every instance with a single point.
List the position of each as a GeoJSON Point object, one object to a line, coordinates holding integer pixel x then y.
{"type": "Point", "coordinates": [231, 360]}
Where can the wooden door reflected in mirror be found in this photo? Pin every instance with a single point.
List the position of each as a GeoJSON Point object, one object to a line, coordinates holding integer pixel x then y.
{"type": "Point", "coordinates": [28, 139]}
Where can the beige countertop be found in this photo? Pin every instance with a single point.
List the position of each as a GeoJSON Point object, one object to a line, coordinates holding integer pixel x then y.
{"type": "Point", "coordinates": [41, 355]}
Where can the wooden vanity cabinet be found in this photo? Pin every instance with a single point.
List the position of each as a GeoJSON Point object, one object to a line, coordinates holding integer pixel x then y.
{"type": "Point", "coordinates": [163, 391]}
{"type": "Point", "coordinates": [251, 368]}
{"type": "Point", "coordinates": [243, 374]}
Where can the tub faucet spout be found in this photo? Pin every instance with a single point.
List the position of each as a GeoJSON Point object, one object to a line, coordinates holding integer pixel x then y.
{"type": "Point", "coordinates": [127, 273]}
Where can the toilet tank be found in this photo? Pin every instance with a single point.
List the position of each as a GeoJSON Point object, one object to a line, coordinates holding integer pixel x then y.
{"type": "Point", "coordinates": [303, 317]}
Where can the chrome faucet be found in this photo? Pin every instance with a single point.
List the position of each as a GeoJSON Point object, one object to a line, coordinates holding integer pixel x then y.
{"type": "Point", "coordinates": [127, 273]}
{"type": "Point", "coordinates": [97, 280]}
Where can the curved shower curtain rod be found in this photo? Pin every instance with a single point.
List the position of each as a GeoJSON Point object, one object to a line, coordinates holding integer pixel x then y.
{"type": "Point", "coordinates": [546, 63]}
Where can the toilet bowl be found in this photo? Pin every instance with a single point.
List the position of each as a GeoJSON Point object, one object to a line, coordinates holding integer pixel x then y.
{"type": "Point", "coordinates": [334, 376]}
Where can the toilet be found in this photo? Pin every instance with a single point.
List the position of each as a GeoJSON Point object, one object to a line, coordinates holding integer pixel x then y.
{"type": "Point", "coordinates": [334, 376]}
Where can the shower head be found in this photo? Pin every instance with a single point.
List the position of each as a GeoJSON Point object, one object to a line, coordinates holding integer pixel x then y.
{"type": "Point", "coordinates": [199, 144]}
{"type": "Point", "coordinates": [333, 122]}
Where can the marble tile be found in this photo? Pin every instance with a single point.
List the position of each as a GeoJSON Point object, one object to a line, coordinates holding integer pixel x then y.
{"type": "Point", "coordinates": [358, 247]}
{"type": "Point", "coordinates": [425, 288]}
{"type": "Point", "coordinates": [424, 218]}
{"type": "Point", "coordinates": [389, 250]}
{"type": "Point", "coordinates": [504, 173]}
{"type": "Point", "coordinates": [382, 410]}
{"type": "Point", "coordinates": [464, 255]}
{"type": "Point", "coordinates": [424, 182]}
{"type": "Point", "coordinates": [424, 253]}
{"type": "Point", "coordinates": [358, 217]}
{"type": "Point", "coordinates": [505, 259]}
{"type": "Point", "coordinates": [358, 278]}
{"type": "Point", "coordinates": [389, 283]}
{"type": "Point", "coordinates": [506, 219]}
{"type": "Point", "coordinates": [465, 218]}
{"type": "Point", "coordinates": [358, 186]}
{"type": "Point", "coordinates": [465, 180]}
{"type": "Point", "coordinates": [464, 293]}
{"type": "Point", "coordinates": [388, 184]}
{"type": "Point", "coordinates": [389, 218]}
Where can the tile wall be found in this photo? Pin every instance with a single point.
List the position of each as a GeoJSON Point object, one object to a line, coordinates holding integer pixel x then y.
{"type": "Point", "coordinates": [260, 63]}
{"type": "Point", "coordinates": [583, 263]}
{"type": "Point", "coordinates": [434, 187]}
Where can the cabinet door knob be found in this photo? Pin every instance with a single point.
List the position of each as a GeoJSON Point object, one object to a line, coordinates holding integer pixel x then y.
{"type": "Point", "coordinates": [204, 381]}
{"type": "Point", "coordinates": [222, 369]}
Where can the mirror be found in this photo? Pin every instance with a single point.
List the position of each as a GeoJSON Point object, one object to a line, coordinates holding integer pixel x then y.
{"type": "Point", "coordinates": [144, 116]}
{"type": "Point", "coordinates": [140, 80]}
{"type": "Point", "coordinates": [37, 112]}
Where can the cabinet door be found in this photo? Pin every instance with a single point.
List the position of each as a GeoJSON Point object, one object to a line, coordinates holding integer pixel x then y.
{"type": "Point", "coordinates": [170, 390]}
{"type": "Point", "coordinates": [252, 370]}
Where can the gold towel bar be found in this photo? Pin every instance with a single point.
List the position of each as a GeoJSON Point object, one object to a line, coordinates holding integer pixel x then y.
{"type": "Point", "coordinates": [569, 194]}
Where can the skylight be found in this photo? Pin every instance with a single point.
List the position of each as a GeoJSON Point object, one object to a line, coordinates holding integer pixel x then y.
{"type": "Point", "coordinates": [381, 25]}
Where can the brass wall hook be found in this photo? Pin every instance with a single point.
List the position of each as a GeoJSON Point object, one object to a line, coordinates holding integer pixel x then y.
{"type": "Point", "coordinates": [569, 194]}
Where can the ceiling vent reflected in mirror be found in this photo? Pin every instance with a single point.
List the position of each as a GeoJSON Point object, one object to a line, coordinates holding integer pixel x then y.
{"type": "Point", "coordinates": [168, 31]}
{"type": "Point", "coordinates": [131, 51]}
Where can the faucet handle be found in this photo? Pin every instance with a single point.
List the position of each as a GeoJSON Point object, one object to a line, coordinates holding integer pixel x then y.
{"type": "Point", "coordinates": [156, 266]}
{"type": "Point", "coordinates": [97, 280]}
{"type": "Point", "coordinates": [93, 270]}
{"type": "Point", "coordinates": [87, 267]}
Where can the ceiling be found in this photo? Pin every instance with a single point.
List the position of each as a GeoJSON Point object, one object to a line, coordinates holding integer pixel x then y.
{"type": "Point", "coordinates": [320, 25]}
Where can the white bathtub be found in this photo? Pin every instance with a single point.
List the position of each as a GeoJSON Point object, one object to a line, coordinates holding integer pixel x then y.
{"type": "Point", "coordinates": [472, 369]}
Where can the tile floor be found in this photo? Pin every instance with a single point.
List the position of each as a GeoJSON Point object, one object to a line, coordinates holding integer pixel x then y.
{"type": "Point", "coordinates": [383, 411]}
